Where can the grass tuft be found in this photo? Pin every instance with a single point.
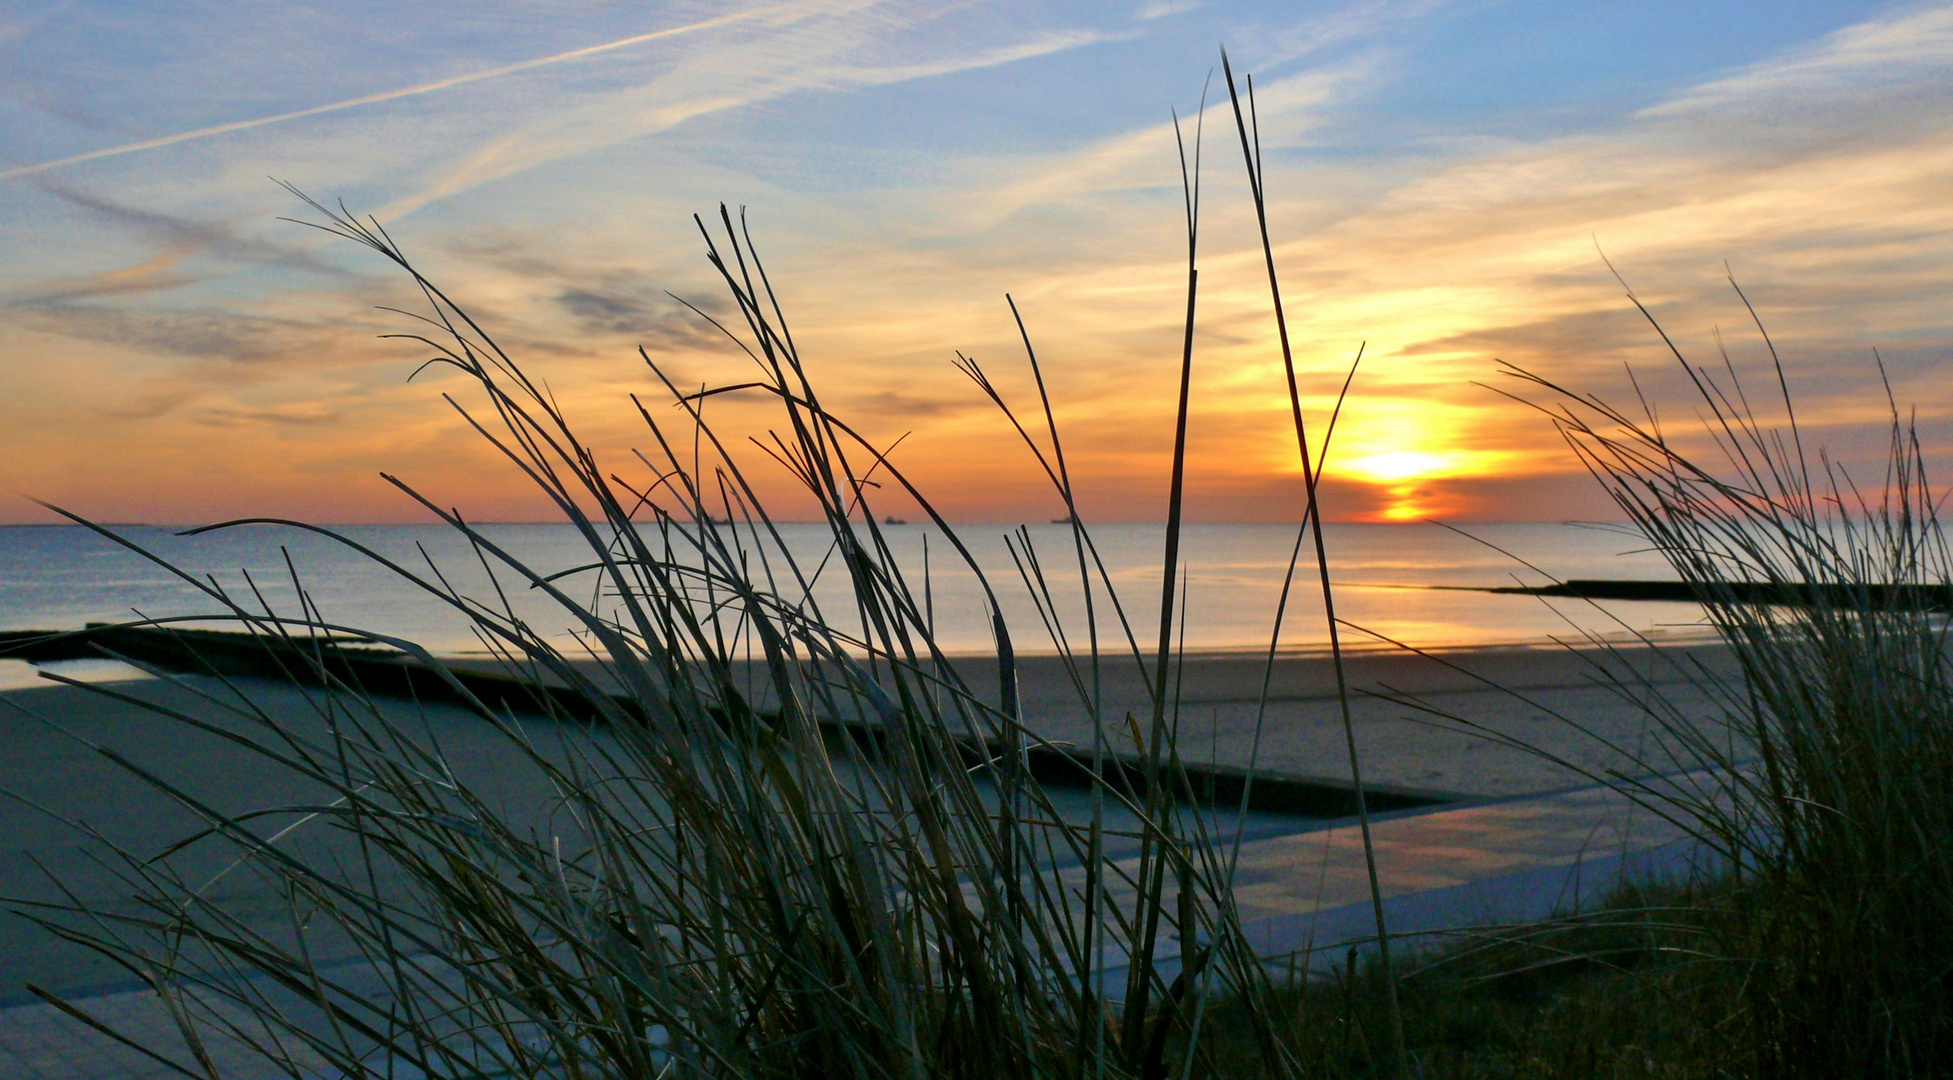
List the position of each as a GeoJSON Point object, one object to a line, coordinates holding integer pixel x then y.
{"type": "Point", "coordinates": [1825, 796]}
{"type": "Point", "coordinates": [710, 887]}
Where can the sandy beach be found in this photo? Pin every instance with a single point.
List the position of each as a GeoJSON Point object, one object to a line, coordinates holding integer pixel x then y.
{"type": "Point", "coordinates": [1522, 693]}
{"type": "Point", "coordinates": [54, 771]}
{"type": "Point", "coordinates": [1516, 693]}
{"type": "Point", "coordinates": [46, 770]}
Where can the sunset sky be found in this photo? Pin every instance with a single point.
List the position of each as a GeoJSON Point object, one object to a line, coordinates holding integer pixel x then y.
{"type": "Point", "coordinates": [1444, 180]}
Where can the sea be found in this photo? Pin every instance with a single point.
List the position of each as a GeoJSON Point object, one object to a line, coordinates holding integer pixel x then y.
{"type": "Point", "coordinates": [1414, 584]}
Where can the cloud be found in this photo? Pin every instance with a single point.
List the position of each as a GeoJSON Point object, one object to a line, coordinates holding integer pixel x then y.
{"type": "Point", "coordinates": [604, 314]}
{"type": "Point", "coordinates": [1092, 182]}
{"type": "Point", "coordinates": [1853, 67]}
{"type": "Point", "coordinates": [157, 273]}
{"type": "Point", "coordinates": [186, 250]}
{"type": "Point", "coordinates": [442, 137]}
{"type": "Point", "coordinates": [384, 96]}
{"type": "Point", "coordinates": [203, 335]}
{"type": "Point", "coordinates": [622, 308]}
{"type": "Point", "coordinates": [1821, 176]}
{"type": "Point", "coordinates": [312, 415]}
{"type": "Point", "coordinates": [842, 51]}
{"type": "Point", "coordinates": [903, 406]}
{"type": "Point", "coordinates": [1367, 21]}
{"type": "Point", "coordinates": [1671, 192]}
{"type": "Point", "coordinates": [152, 405]}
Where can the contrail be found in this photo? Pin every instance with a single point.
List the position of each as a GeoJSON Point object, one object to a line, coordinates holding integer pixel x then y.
{"type": "Point", "coordinates": [391, 95]}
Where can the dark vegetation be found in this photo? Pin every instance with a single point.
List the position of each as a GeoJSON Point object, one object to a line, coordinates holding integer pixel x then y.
{"type": "Point", "coordinates": [1621, 991]}
{"type": "Point", "coordinates": [1828, 800]}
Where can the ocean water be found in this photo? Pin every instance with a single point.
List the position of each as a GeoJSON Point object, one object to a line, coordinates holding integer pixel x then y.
{"type": "Point", "coordinates": [1401, 581]}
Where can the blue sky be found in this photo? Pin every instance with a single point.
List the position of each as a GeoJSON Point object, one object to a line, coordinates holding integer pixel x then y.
{"type": "Point", "coordinates": [1442, 175]}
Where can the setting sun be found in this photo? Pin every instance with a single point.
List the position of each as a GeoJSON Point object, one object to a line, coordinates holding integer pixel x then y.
{"type": "Point", "coordinates": [1398, 465]}
{"type": "Point", "coordinates": [1414, 483]}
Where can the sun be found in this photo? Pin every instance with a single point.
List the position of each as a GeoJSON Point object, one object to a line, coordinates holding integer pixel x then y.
{"type": "Point", "coordinates": [1409, 478]}
{"type": "Point", "coordinates": [1399, 465]}
{"type": "Point", "coordinates": [1416, 458]}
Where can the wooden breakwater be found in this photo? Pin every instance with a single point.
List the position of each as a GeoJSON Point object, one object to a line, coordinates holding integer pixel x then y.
{"type": "Point", "coordinates": [387, 673]}
{"type": "Point", "coordinates": [1872, 597]}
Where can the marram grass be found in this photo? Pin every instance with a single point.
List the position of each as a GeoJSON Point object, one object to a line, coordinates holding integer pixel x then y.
{"type": "Point", "coordinates": [1819, 788]}
{"type": "Point", "coordinates": [1831, 804]}
{"type": "Point", "coordinates": [719, 891]}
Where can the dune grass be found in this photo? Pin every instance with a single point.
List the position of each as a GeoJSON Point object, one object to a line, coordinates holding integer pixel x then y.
{"type": "Point", "coordinates": [730, 900]}
{"type": "Point", "coordinates": [1817, 940]}
{"type": "Point", "coordinates": [1819, 791]}
{"type": "Point", "coordinates": [1621, 990]}
{"type": "Point", "coordinates": [1830, 802]}
{"type": "Point", "coordinates": [717, 891]}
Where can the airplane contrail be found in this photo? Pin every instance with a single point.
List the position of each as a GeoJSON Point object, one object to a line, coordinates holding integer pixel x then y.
{"type": "Point", "coordinates": [391, 95]}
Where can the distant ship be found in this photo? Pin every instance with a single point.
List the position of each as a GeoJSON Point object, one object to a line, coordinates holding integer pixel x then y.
{"type": "Point", "coordinates": [893, 520]}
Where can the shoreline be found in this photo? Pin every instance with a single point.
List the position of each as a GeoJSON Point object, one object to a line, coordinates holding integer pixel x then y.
{"type": "Point", "coordinates": [1442, 724]}
{"type": "Point", "coordinates": [1677, 636]}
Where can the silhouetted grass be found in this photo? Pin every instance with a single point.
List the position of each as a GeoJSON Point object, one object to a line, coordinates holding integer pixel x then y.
{"type": "Point", "coordinates": [1818, 788]}
{"type": "Point", "coordinates": [1621, 990]}
{"type": "Point", "coordinates": [1830, 800]}
{"type": "Point", "coordinates": [720, 890]}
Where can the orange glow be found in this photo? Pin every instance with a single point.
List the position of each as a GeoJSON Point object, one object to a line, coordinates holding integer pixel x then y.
{"type": "Point", "coordinates": [1404, 506]}
{"type": "Point", "coordinates": [1400, 465]}
{"type": "Point", "coordinates": [1405, 476]}
{"type": "Point", "coordinates": [1406, 451]}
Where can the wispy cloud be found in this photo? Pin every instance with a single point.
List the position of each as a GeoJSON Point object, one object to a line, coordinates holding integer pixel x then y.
{"type": "Point", "coordinates": [831, 54]}
{"type": "Point", "coordinates": [435, 86]}
{"type": "Point", "coordinates": [1160, 9]}
{"type": "Point", "coordinates": [232, 338]}
{"type": "Point", "coordinates": [1859, 63]}
{"type": "Point", "coordinates": [177, 242]}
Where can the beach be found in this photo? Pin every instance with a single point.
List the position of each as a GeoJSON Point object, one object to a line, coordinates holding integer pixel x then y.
{"type": "Point", "coordinates": [1520, 693]}
{"type": "Point", "coordinates": [49, 770]}
{"type": "Point", "coordinates": [1523, 694]}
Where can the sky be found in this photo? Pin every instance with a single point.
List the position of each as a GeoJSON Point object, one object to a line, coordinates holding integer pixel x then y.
{"type": "Point", "coordinates": [1448, 184]}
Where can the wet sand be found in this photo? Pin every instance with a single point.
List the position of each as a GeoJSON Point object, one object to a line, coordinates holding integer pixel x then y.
{"type": "Point", "coordinates": [45, 772]}
{"type": "Point", "coordinates": [1524, 694]}
{"type": "Point", "coordinates": [1218, 697]}
{"type": "Point", "coordinates": [1528, 695]}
